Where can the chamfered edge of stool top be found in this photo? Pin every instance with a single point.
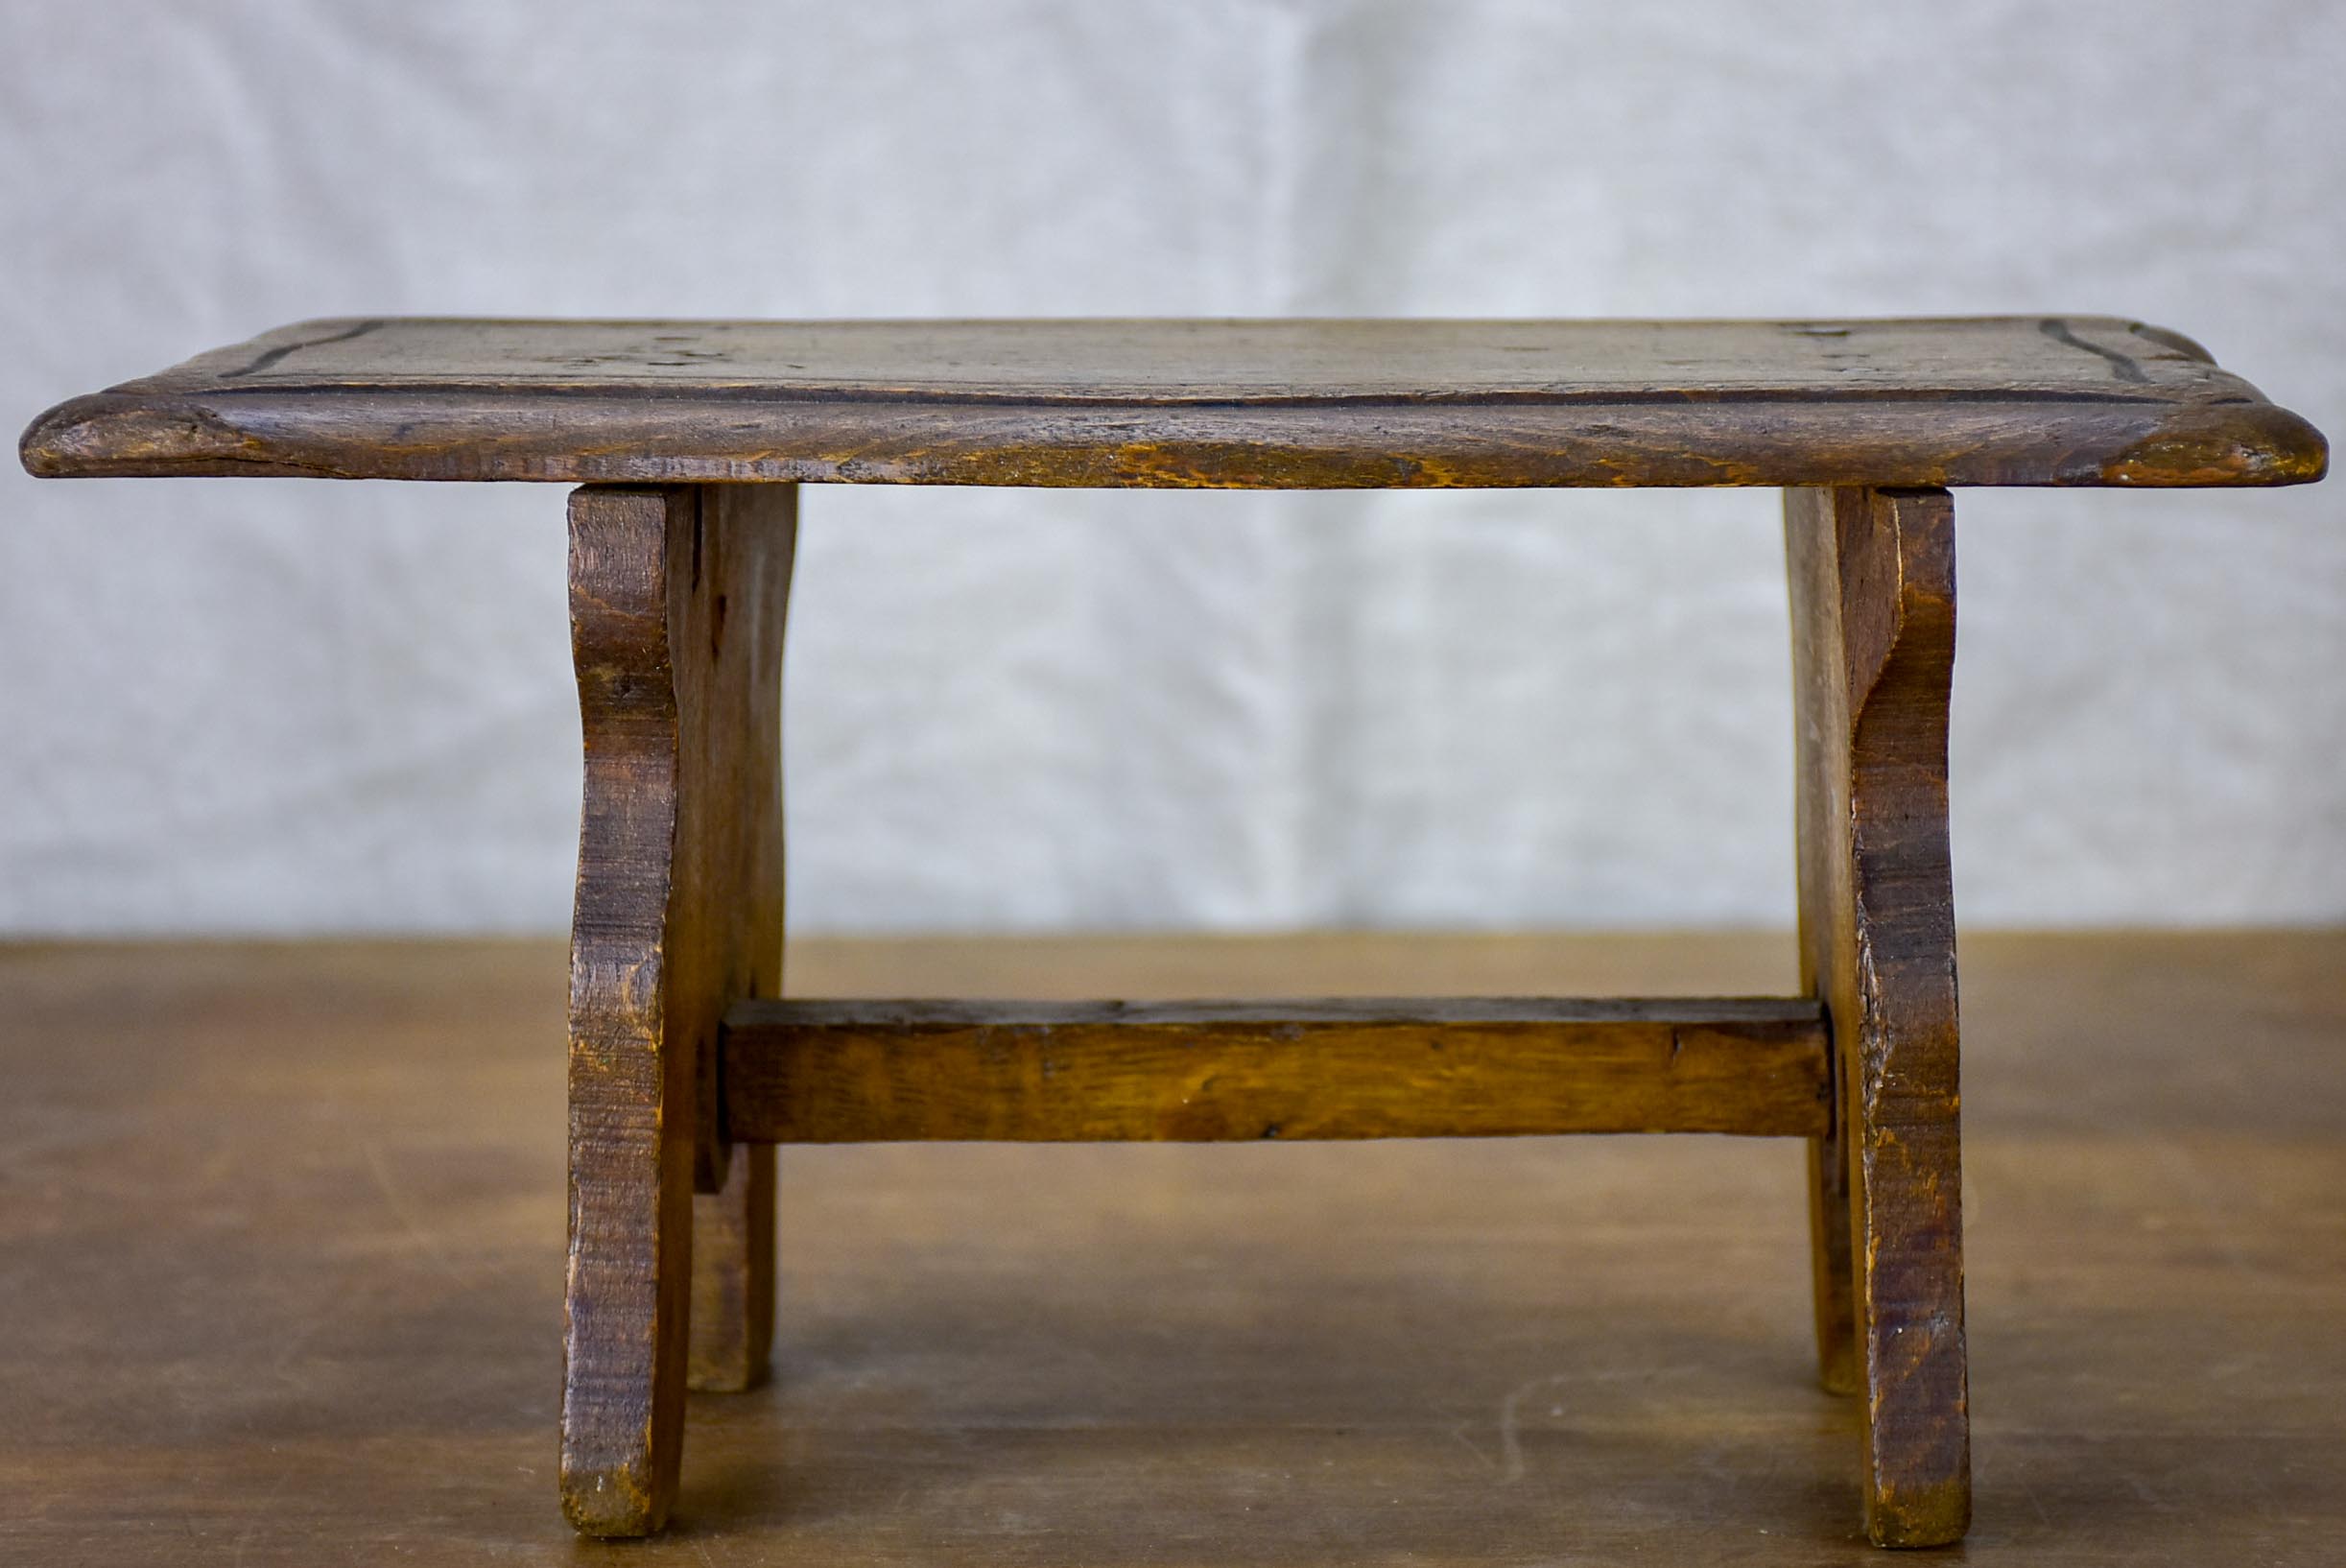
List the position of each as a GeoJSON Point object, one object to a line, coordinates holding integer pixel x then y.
{"type": "Point", "coordinates": [2073, 400]}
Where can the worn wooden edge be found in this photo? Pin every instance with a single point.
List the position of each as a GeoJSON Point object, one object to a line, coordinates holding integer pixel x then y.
{"type": "Point", "coordinates": [631, 1091]}
{"type": "Point", "coordinates": [730, 1340]}
{"type": "Point", "coordinates": [1873, 625]}
{"type": "Point", "coordinates": [727, 642]}
{"type": "Point", "coordinates": [677, 601]}
{"type": "Point", "coordinates": [885, 1071]}
{"type": "Point", "coordinates": [1820, 721]}
{"type": "Point", "coordinates": [649, 437]}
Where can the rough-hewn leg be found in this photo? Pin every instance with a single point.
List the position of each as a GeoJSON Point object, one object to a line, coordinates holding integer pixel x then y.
{"type": "Point", "coordinates": [733, 1275]}
{"type": "Point", "coordinates": [1873, 638]}
{"type": "Point", "coordinates": [733, 1228]}
{"type": "Point", "coordinates": [677, 599]}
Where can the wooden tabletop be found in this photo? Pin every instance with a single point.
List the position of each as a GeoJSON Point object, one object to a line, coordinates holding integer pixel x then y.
{"type": "Point", "coordinates": [1229, 404]}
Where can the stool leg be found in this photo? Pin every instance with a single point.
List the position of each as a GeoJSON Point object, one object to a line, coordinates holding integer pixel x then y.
{"type": "Point", "coordinates": [676, 600]}
{"type": "Point", "coordinates": [733, 1275]}
{"type": "Point", "coordinates": [733, 1228]}
{"type": "Point", "coordinates": [1873, 635]}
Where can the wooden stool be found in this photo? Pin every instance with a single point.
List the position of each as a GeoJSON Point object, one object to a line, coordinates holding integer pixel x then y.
{"type": "Point", "coordinates": [686, 1068]}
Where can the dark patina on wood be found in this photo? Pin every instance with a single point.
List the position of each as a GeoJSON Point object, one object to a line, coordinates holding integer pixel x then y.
{"type": "Point", "coordinates": [1261, 404]}
{"type": "Point", "coordinates": [1873, 654]}
{"type": "Point", "coordinates": [684, 1068]}
{"type": "Point", "coordinates": [676, 601]}
{"type": "Point", "coordinates": [856, 1072]}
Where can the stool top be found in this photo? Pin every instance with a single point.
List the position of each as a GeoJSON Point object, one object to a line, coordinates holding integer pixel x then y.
{"type": "Point", "coordinates": [1231, 404]}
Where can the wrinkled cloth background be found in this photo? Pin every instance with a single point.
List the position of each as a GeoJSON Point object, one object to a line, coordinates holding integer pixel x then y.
{"type": "Point", "coordinates": [281, 705]}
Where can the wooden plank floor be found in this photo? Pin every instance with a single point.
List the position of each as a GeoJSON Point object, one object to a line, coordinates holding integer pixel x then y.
{"type": "Point", "coordinates": [280, 1258]}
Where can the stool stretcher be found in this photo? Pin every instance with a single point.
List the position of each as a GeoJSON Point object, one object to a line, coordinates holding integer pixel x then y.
{"type": "Point", "coordinates": [1197, 1072]}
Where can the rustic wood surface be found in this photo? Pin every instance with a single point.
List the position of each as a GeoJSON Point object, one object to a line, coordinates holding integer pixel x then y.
{"type": "Point", "coordinates": [731, 1338]}
{"type": "Point", "coordinates": [677, 599]}
{"type": "Point", "coordinates": [1873, 651]}
{"type": "Point", "coordinates": [847, 1072]}
{"type": "Point", "coordinates": [2025, 400]}
{"type": "Point", "coordinates": [283, 1239]}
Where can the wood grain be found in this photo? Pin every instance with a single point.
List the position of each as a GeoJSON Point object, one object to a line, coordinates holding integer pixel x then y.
{"type": "Point", "coordinates": [1283, 404]}
{"type": "Point", "coordinates": [1873, 636]}
{"type": "Point", "coordinates": [846, 1072]}
{"type": "Point", "coordinates": [676, 602]}
{"type": "Point", "coordinates": [732, 829]}
{"type": "Point", "coordinates": [284, 1231]}
{"type": "Point", "coordinates": [733, 1277]}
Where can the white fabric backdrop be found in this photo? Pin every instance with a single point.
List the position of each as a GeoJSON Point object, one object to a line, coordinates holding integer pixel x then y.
{"type": "Point", "coordinates": [281, 705]}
